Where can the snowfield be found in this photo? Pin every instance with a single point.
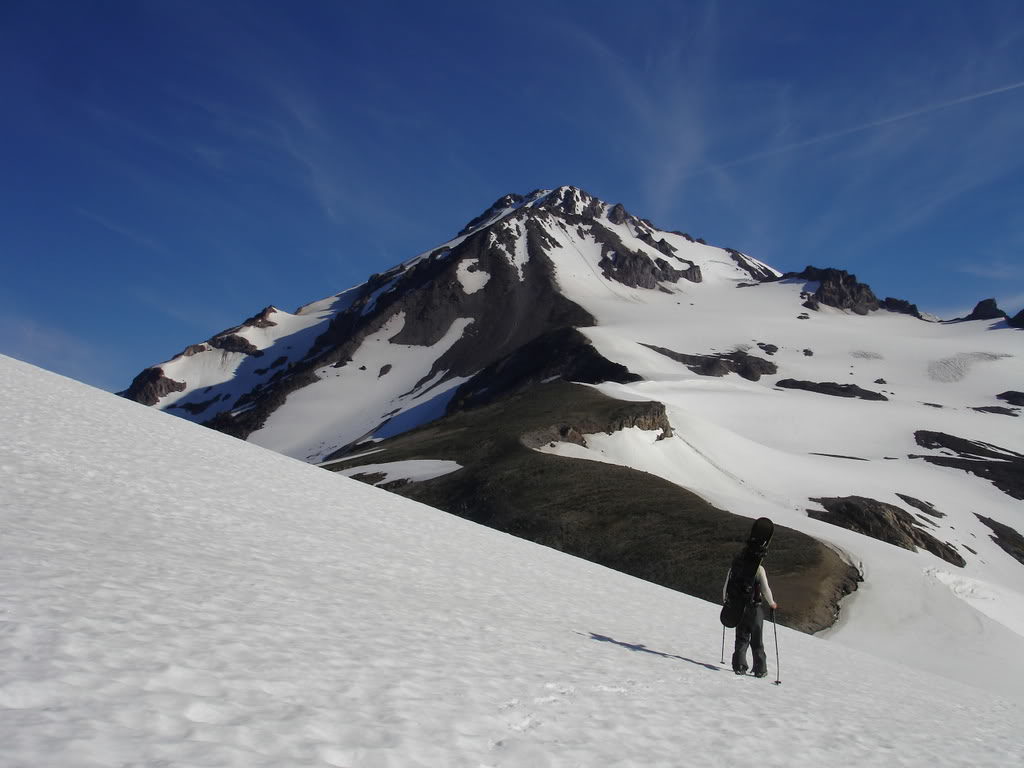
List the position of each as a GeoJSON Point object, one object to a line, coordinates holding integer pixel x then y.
{"type": "Point", "coordinates": [170, 596]}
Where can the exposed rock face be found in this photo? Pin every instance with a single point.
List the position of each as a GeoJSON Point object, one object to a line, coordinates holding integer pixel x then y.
{"type": "Point", "coordinates": [900, 305]}
{"type": "Point", "coordinates": [831, 388]}
{"type": "Point", "coordinates": [648, 416]}
{"type": "Point", "coordinates": [235, 343]}
{"type": "Point", "coordinates": [561, 354]}
{"type": "Point", "coordinates": [986, 309]}
{"type": "Point", "coordinates": [885, 522]}
{"type": "Point", "coordinates": [637, 271]}
{"type": "Point", "coordinates": [261, 319]}
{"type": "Point", "coordinates": [1006, 537]}
{"type": "Point", "coordinates": [837, 288]}
{"type": "Point", "coordinates": [1002, 467]}
{"type": "Point", "coordinates": [996, 409]}
{"type": "Point", "coordinates": [926, 507]}
{"type": "Point", "coordinates": [193, 349]}
{"type": "Point", "coordinates": [760, 273]}
{"type": "Point", "coordinates": [661, 245]}
{"type": "Point", "coordinates": [749, 367]}
{"type": "Point", "coordinates": [503, 202]}
{"type": "Point", "coordinates": [617, 214]}
{"type": "Point", "coordinates": [1017, 321]}
{"type": "Point", "coordinates": [1012, 397]}
{"type": "Point", "coordinates": [150, 385]}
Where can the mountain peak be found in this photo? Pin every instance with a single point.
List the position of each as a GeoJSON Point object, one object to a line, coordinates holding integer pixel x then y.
{"type": "Point", "coordinates": [566, 199]}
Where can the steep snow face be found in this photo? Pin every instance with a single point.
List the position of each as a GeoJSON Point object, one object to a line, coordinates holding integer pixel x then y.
{"type": "Point", "coordinates": [173, 596]}
{"type": "Point", "coordinates": [382, 383]}
{"type": "Point", "coordinates": [236, 360]}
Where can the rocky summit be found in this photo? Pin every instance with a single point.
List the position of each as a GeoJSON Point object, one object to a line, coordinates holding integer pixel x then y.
{"type": "Point", "coordinates": [568, 372]}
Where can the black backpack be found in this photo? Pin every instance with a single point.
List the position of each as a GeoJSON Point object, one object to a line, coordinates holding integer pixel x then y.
{"type": "Point", "coordinates": [741, 589]}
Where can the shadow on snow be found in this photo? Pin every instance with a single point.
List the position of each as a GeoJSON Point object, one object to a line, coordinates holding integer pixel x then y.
{"type": "Point", "coordinates": [644, 649]}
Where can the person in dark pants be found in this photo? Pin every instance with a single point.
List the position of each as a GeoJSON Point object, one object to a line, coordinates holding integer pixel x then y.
{"type": "Point", "coordinates": [749, 629]}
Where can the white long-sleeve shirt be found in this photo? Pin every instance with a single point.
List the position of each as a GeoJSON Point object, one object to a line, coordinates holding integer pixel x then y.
{"type": "Point", "coordinates": [762, 581]}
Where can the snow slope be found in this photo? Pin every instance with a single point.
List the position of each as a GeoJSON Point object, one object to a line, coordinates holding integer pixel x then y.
{"type": "Point", "coordinates": [170, 596]}
{"type": "Point", "coordinates": [756, 449]}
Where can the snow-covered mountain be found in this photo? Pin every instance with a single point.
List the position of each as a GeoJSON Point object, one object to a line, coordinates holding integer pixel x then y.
{"type": "Point", "coordinates": [170, 596]}
{"type": "Point", "coordinates": [575, 375]}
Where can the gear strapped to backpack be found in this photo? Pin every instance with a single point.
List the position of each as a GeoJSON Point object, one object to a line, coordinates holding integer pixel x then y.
{"type": "Point", "coordinates": [741, 588]}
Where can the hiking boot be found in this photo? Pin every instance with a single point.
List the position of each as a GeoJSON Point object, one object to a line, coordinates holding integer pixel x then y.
{"type": "Point", "coordinates": [740, 671]}
{"type": "Point", "coordinates": [761, 674]}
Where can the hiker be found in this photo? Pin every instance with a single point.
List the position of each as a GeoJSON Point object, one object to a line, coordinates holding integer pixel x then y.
{"type": "Point", "coordinates": [748, 593]}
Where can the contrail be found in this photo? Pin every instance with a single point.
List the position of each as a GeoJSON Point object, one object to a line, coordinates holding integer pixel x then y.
{"type": "Point", "coordinates": [866, 126]}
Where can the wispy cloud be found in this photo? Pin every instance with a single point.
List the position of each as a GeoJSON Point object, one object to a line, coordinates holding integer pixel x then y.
{"type": "Point", "coordinates": [129, 234]}
{"type": "Point", "coordinates": [870, 125]}
{"type": "Point", "coordinates": [994, 270]}
{"type": "Point", "coordinates": [663, 97]}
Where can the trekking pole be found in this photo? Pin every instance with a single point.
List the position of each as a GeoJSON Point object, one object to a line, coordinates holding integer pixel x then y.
{"type": "Point", "coordinates": [778, 672]}
{"type": "Point", "coordinates": [723, 644]}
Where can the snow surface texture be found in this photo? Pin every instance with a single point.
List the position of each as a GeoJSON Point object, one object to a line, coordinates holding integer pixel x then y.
{"type": "Point", "coordinates": [171, 596]}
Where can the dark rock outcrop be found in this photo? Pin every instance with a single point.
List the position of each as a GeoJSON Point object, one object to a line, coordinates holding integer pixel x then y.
{"type": "Point", "coordinates": [261, 319]}
{"type": "Point", "coordinates": [617, 214]}
{"type": "Point", "coordinates": [986, 309]}
{"type": "Point", "coordinates": [150, 385]}
{"type": "Point", "coordinates": [757, 271]}
{"type": "Point", "coordinates": [503, 202]}
{"type": "Point", "coordinates": [926, 507]}
{"type": "Point", "coordinates": [660, 245]}
{"type": "Point", "coordinates": [831, 388]}
{"type": "Point", "coordinates": [885, 522]}
{"type": "Point", "coordinates": [637, 270]}
{"type": "Point", "coordinates": [1017, 321]}
{"type": "Point", "coordinates": [234, 343]}
{"type": "Point", "coordinates": [748, 366]}
{"type": "Point", "coordinates": [1012, 397]}
{"type": "Point", "coordinates": [901, 306]}
{"type": "Point", "coordinates": [1002, 467]}
{"type": "Point", "coordinates": [996, 409]}
{"type": "Point", "coordinates": [648, 416]}
{"type": "Point", "coordinates": [1009, 540]}
{"type": "Point", "coordinates": [561, 354]}
{"type": "Point", "coordinates": [836, 288]}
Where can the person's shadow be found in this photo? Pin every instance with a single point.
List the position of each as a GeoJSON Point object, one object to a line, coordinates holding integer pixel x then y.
{"type": "Point", "coordinates": [640, 647]}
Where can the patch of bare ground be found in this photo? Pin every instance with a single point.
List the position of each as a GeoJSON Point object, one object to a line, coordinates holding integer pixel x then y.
{"type": "Point", "coordinates": [618, 517]}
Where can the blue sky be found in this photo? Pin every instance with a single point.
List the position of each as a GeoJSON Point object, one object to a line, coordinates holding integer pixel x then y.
{"type": "Point", "coordinates": [170, 168]}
